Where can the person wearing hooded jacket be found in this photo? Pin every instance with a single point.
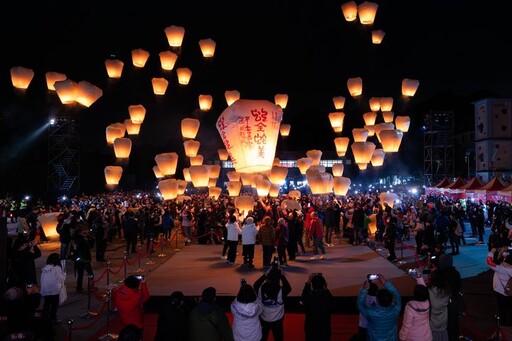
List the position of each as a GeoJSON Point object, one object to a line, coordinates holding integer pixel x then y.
{"type": "Point", "coordinates": [415, 322]}
{"type": "Point", "coordinates": [129, 300]}
{"type": "Point", "coordinates": [249, 233]}
{"type": "Point", "coordinates": [52, 279]}
{"type": "Point", "coordinates": [502, 273]}
{"type": "Point", "coordinates": [246, 310]}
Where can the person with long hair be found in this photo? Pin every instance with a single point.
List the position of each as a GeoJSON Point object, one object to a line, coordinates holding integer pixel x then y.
{"type": "Point", "coordinates": [52, 280]}
{"type": "Point", "coordinates": [246, 310]}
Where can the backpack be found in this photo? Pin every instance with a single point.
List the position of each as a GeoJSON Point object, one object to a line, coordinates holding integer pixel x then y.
{"type": "Point", "coordinates": [507, 289]}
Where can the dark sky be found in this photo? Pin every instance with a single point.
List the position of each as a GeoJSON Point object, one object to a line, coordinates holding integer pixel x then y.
{"type": "Point", "coordinates": [305, 49]}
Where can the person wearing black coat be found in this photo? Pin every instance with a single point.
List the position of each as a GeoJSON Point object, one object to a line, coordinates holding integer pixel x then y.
{"type": "Point", "coordinates": [317, 301]}
{"type": "Point", "coordinates": [173, 318]}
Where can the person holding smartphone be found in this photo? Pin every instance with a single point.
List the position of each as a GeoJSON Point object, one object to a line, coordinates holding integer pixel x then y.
{"type": "Point", "coordinates": [317, 300]}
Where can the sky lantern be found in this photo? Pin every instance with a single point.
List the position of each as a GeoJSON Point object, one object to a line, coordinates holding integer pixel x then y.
{"type": "Point", "coordinates": [284, 129]}
{"type": "Point", "coordinates": [362, 151]}
{"type": "Point", "coordinates": [278, 174]}
{"type": "Point", "coordinates": [388, 116]}
{"type": "Point", "coordinates": [304, 163]}
{"type": "Point", "coordinates": [383, 126]}
{"type": "Point", "coordinates": [360, 134]}
{"type": "Point", "coordinates": [212, 182]}
{"type": "Point", "coordinates": [120, 126]}
{"type": "Point", "coordinates": [48, 223]}
{"type": "Point", "coordinates": [132, 128]}
{"type": "Point", "coordinates": [157, 172]}
{"type": "Point", "coordinates": [182, 186]}
{"type": "Point", "coordinates": [175, 35]}
{"type": "Point", "coordinates": [139, 57]}
{"type": "Point", "coordinates": [159, 85]}
{"type": "Point", "coordinates": [386, 104]}
{"type": "Point", "coordinates": [337, 169]}
{"type": "Point", "coordinates": [336, 119]}
{"type": "Point", "coordinates": [388, 198]}
{"type": "Point", "coordinates": [167, 163]}
{"type": "Point", "coordinates": [223, 154]}
{"type": "Point", "coordinates": [113, 132]}
{"type": "Point", "coordinates": [88, 93]}
{"type": "Point", "coordinates": [214, 192]}
{"type": "Point", "coordinates": [137, 113]}
{"type": "Point", "coordinates": [207, 47]}
{"type": "Point", "coordinates": [339, 102]}
{"type": "Point", "coordinates": [262, 187]}
{"type": "Point", "coordinates": [341, 185]}
{"type": "Point", "coordinates": [186, 175]}
{"type": "Point", "coordinates": [391, 140]}
{"type": "Point", "coordinates": [231, 96]}
{"type": "Point", "coordinates": [196, 160]}
{"type": "Point", "coordinates": [341, 144]}
{"type": "Point", "coordinates": [234, 188]}
{"type": "Point", "coordinates": [320, 183]}
{"type": "Point", "coordinates": [370, 118]}
{"type": "Point", "coordinates": [244, 203]}
{"type": "Point", "coordinates": [362, 166]}
{"type": "Point", "coordinates": [371, 130]}
{"type": "Point", "coordinates": [168, 188]}
{"type": "Point", "coordinates": [191, 147]}
{"type": "Point", "coordinates": [294, 194]}
{"type": "Point", "coordinates": [374, 104]}
{"type": "Point", "coordinates": [410, 86]}
{"type": "Point", "coordinates": [184, 74]}
{"type": "Point", "coordinates": [377, 36]}
{"type": "Point", "coordinates": [189, 128]}
{"type": "Point", "coordinates": [402, 123]}
{"type": "Point", "coordinates": [199, 175]}
{"type": "Point", "coordinates": [281, 100]}
{"type": "Point", "coordinates": [355, 86]}
{"type": "Point", "coordinates": [233, 176]}
{"type": "Point", "coordinates": [249, 130]}
{"type": "Point", "coordinates": [122, 147]}
{"type": "Point", "coordinates": [367, 12]}
{"type": "Point", "coordinates": [378, 157]}
{"type": "Point", "coordinates": [315, 155]}
{"type": "Point", "coordinates": [21, 77]}
{"type": "Point", "coordinates": [316, 169]}
{"type": "Point", "coordinates": [114, 68]}
{"type": "Point", "coordinates": [274, 190]}
{"type": "Point", "coordinates": [52, 77]}
{"type": "Point", "coordinates": [113, 174]}
{"type": "Point", "coordinates": [205, 102]}
{"type": "Point", "coordinates": [168, 60]}
{"type": "Point", "coordinates": [349, 10]}
{"type": "Point", "coordinates": [213, 171]}
{"type": "Point", "coordinates": [67, 91]}
{"type": "Point", "coordinates": [276, 162]}
{"type": "Point", "coordinates": [248, 179]}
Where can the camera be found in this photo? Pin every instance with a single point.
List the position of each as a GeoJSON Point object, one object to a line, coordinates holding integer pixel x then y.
{"type": "Point", "coordinates": [373, 277]}
{"type": "Point", "coordinates": [433, 257]}
{"type": "Point", "coordinates": [140, 277]}
{"type": "Point", "coordinates": [412, 272]}
{"type": "Point", "coordinates": [243, 282]}
{"type": "Point", "coordinates": [275, 262]}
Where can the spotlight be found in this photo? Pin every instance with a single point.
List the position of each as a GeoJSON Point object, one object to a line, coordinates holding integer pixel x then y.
{"type": "Point", "coordinates": [52, 121]}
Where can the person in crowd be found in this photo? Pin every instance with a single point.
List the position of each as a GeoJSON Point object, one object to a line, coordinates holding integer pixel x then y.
{"type": "Point", "coordinates": [249, 233]}
{"type": "Point", "coordinates": [208, 321]}
{"type": "Point", "coordinates": [234, 231]}
{"type": "Point", "coordinates": [167, 224]}
{"type": "Point", "coordinates": [390, 238]}
{"type": "Point", "coordinates": [299, 233]}
{"type": "Point", "coordinates": [186, 218]}
{"type": "Point", "coordinates": [66, 223]}
{"type": "Point", "coordinates": [129, 298]}
{"type": "Point", "coordinates": [382, 317]}
{"type": "Point", "coordinates": [130, 333]}
{"type": "Point", "coordinates": [358, 224]}
{"type": "Point", "coordinates": [329, 222]}
{"type": "Point", "coordinates": [416, 319]}
{"type": "Point", "coordinates": [291, 223]}
{"type": "Point", "coordinates": [502, 273]}
{"type": "Point", "coordinates": [371, 300]}
{"type": "Point", "coordinates": [316, 232]}
{"type": "Point", "coordinates": [24, 253]}
{"type": "Point", "coordinates": [130, 231]}
{"type": "Point", "coordinates": [317, 301]}
{"type": "Point", "coordinates": [272, 288]}
{"type": "Point", "coordinates": [267, 239]}
{"type": "Point", "coordinates": [282, 238]}
{"type": "Point", "coordinates": [173, 318]}
{"type": "Point", "coordinates": [81, 255]}
{"type": "Point", "coordinates": [246, 310]}
{"type": "Point", "coordinates": [52, 280]}
{"type": "Point", "coordinates": [453, 235]}
{"type": "Point", "coordinates": [456, 306]}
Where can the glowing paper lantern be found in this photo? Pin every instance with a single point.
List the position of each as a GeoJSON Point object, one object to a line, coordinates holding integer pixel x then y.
{"type": "Point", "coordinates": [274, 191]}
{"type": "Point", "coordinates": [21, 77]}
{"type": "Point", "coordinates": [339, 102]}
{"type": "Point", "coordinates": [410, 86]}
{"type": "Point", "coordinates": [336, 119]}
{"type": "Point", "coordinates": [168, 188]}
{"type": "Point", "coordinates": [113, 132]}
{"type": "Point", "coordinates": [139, 57]}
{"type": "Point", "coordinates": [362, 151]}
{"type": "Point", "coordinates": [294, 194]}
{"type": "Point", "coordinates": [159, 85]}
{"type": "Point", "coordinates": [383, 126]}
{"type": "Point", "coordinates": [175, 35]}
{"type": "Point", "coordinates": [315, 169]}
{"type": "Point", "coordinates": [249, 130]}
{"type": "Point", "coordinates": [362, 166]}
{"type": "Point", "coordinates": [278, 174]}
{"type": "Point", "coordinates": [196, 160]}
{"type": "Point", "coordinates": [370, 118]}
{"type": "Point", "coordinates": [360, 134]}
{"type": "Point", "coordinates": [52, 77]}
{"type": "Point", "coordinates": [386, 103]}
{"type": "Point", "coordinates": [263, 187]}
{"type": "Point", "coordinates": [87, 93]}
{"type": "Point", "coordinates": [233, 176]}
{"type": "Point", "coordinates": [157, 172]}
{"type": "Point", "coordinates": [391, 140]}
{"type": "Point", "coordinates": [184, 75]}
{"type": "Point", "coordinates": [341, 185]}
{"type": "Point", "coordinates": [113, 174]}
{"type": "Point", "coordinates": [388, 116]}
{"type": "Point", "coordinates": [320, 183]}
{"type": "Point", "coordinates": [114, 68]}
{"type": "Point", "coordinates": [304, 164]}
{"type": "Point", "coordinates": [378, 157]}
{"type": "Point", "coordinates": [207, 47]}
{"type": "Point", "coordinates": [248, 179]}
{"type": "Point", "coordinates": [137, 113]}
{"type": "Point", "coordinates": [122, 147]}
{"type": "Point", "coordinates": [167, 163]}
{"type": "Point", "coordinates": [48, 223]}
{"type": "Point", "coordinates": [212, 182]}
{"type": "Point", "coordinates": [189, 128]}
{"type": "Point", "coordinates": [213, 171]}
{"type": "Point", "coordinates": [186, 175]}
{"type": "Point", "coordinates": [337, 169]}
{"type": "Point", "coordinates": [67, 91]}
{"type": "Point", "coordinates": [223, 154]}
{"type": "Point", "coordinates": [205, 102]}
{"type": "Point", "coordinates": [214, 192]}
{"type": "Point", "coordinates": [371, 130]}
{"type": "Point", "coordinates": [199, 175]}
{"type": "Point", "coordinates": [315, 156]}
{"type": "Point", "coordinates": [402, 123]}
{"type": "Point", "coordinates": [231, 96]}
{"type": "Point", "coordinates": [341, 144]}
{"type": "Point", "coordinates": [285, 129]}
{"type": "Point", "coordinates": [168, 60]}
{"type": "Point", "coordinates": [191, 147]}
{"type": "Point", "coordinates": [234, 188]}
{"type": "Point", "coordinates": [374, 103]}
{"type": "Point", "coordinates": [349, 10]}
{"type": "Point", "coordinates": [120, 126]}
{"type": "Point", "coordinates": [182, 186]}
{"type": "Point", "coordinates": [389, 198]}
{"type": "Point", "coordinates": [281, 100]}
{"type": "Point", "coordinates": [276, 162]}
{"type": "Point", "coordinates": [367, 12]}
{"type": "Point", "coordinates": [132, 128]}
{"type": "Point", "coordinates": [244, 203]}
{"type": "Point", "coordinates": [355, 86]}
{"type": "Point", "coordinates": [377, 36]}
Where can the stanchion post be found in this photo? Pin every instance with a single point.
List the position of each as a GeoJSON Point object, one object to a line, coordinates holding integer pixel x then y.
{"type": "Point", "coordinates": [401, 261]}
{"type": "Point", "coordinates": [108, 273]}
{"type": "Point", "coordinates": [161, 254]}
{"type": "Point", "coordinates": [125, 257]}
{"type": "Point", "coordinates": [176, 237]}
{"type": "Point", "coordinates": [498, 327]}
{"type": "Point", "coordinates": [150, 262]}
{"type": "Point", "coordinates": [108, 336]}
{"type": "Point", "coordinates": [139, 270]}
{"type": "Point", "coordinates": [69, 323]}
{"type": "Point", "coordinates": [89, 313]}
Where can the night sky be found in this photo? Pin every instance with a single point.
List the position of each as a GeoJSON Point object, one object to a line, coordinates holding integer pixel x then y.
{"type": "Point", "coordinates": [305, 49]}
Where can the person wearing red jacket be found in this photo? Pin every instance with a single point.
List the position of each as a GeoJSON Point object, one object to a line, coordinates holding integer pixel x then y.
{"type": "Point", "coordinates": [316, 232]}
{"type": "Point", "coordinates": [129, 300]}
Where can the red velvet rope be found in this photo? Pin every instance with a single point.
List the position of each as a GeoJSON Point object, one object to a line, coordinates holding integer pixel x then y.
{"type": "Point", "coordinates": [118, 270]}
{"type": "Point", "coordinates": [100, 277]}
{"type": "Point", "coordinates": [96, 318]}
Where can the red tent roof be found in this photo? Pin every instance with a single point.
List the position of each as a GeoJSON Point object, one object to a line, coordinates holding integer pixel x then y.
{"type": "Point", "coordinates": [472, 184]}
{"type": "Point", "coordinates": [445, 182]}
{"type": "Point", "coordinates": [507, 189]}
{"type": "Point", "coordinates": [495, 184]}
{"type": "Point", "coordinates": [458, 183]}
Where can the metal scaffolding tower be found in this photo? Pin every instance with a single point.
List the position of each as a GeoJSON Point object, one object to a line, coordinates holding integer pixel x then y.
{"type": "Point", "coordinates": [438, 141]}
{"type": "Point", "coordinates": [64, 156]}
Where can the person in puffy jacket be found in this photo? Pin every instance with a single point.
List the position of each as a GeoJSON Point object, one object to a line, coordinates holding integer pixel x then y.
{"type": "Point", "coordinates": [52, 279]}
{"type": "Point", "coordinates": [415, 323]}
{"type": "Point", "coordinates": [246, 310]}
{"type": "Point", "coordinates": [129, 300]}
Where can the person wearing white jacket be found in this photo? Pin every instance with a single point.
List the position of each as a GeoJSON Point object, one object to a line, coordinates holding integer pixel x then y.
{"type": "Point", "coordinates": [249, 233]}
{"type": "Point", "coordinates": [246, 309]}
{"type": "Point", "coordinates": [502, 273]}
{"type": "Point", "coordinates": [52, 279]}
{"type": "Point", "coordinates": [415, 322]}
